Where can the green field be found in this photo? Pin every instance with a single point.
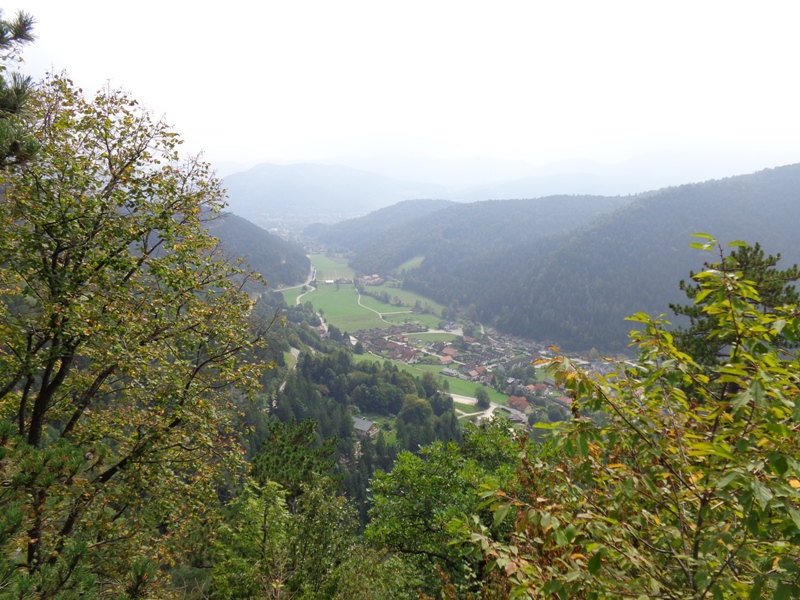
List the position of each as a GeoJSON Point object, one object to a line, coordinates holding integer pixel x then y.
{"type": "Point", "coordinates": [341, 308]}
{"type": "Point", "coordinates": [379, 306]}
{"type": "Point", "coordinates": [290, 296]}
{"type": "Point", "coordinates": [406, 297]}
{"type": "Point", "coordinates": [467, 408]}
{"type": "Point", "coordinates": [289, 358]}
{"type": "Point", "coordinates": [330, 269]}
{"type": "Point", "coordinates": [411, 264]}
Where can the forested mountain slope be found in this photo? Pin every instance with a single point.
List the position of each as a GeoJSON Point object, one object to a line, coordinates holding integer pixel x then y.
{"type": "Point", "coordinates": [279, 261]}
{"type": "Point", "coordinates": [357, 234]}
{"type": "Point", "coordinates": [466, 232]}
{"type": "Point", "coordinates": [576, 290]}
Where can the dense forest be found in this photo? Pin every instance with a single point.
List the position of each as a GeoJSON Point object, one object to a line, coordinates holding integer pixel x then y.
{"type": "Point", "coordinates": [276, 260]}
{"type": "Point", "coordinates": [163, 435]}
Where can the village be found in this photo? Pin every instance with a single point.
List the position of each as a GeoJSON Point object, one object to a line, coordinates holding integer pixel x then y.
{"type": "Point", "coordinates": [499, 362]}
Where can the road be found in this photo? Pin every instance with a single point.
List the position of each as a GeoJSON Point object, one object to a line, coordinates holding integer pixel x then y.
{"type": "Point", "coordinates": [485, 414]}
{"type": "Point", "coordinates": [312, 275]}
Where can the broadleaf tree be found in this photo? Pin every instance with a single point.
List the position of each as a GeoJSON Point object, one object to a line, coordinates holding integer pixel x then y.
{"type": "Point", "coordinates": [690, 489]}
{"type": "Point", "coordinates": [122, 335]}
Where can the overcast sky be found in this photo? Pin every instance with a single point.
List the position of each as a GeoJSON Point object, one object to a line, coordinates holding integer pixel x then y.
{"type": "Point", "coordinates": [537, 81]}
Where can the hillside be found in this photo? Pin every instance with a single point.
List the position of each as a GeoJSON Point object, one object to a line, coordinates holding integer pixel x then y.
{"type": "Point", "coordinates": [467, 232]}
{"type": "Point", "coordinates": [279, 261]}
{"type": "Point", "coordinates": [358, 234]}
{"type": "Point", "coordinates": [577, 291]}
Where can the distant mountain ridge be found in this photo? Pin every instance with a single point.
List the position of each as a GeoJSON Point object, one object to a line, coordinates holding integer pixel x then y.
{"type": "Point", "coordinates": [327, 191]}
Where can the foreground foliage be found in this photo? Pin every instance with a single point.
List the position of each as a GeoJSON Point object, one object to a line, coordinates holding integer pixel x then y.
{"type": "Point", "coordinates": [692, 487]}
{"type": "Point", "coordinates": [120, 332]}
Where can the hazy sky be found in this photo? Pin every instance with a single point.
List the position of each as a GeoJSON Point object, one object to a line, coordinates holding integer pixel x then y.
{"type": "Point", "coordinates": [538, 81]}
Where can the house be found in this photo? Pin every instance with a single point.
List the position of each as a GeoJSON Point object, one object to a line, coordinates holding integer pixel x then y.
{"type": "Point", "coordinates": [450, 351]}
{"type": "Point", "coordinates": [449, 372]}
{"type": "Point", "coordinates": [364, 428]}
{"type": "Point", "coordinates": [518, 402]}
{"type": "Point", "coordinates": [445, 360]}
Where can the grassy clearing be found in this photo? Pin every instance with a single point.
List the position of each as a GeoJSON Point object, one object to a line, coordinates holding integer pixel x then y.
{"type": "Point", "coordinates": [467, 408]}
{"type": "Point", "coordinates": [467, 388]}
{"type": "Point", "coordinates": [290, 296]}
{"type": "Point", "coordinates": [342, 310]}
{"type": "Point", "coordinates": [330, 269]}
{"type": "Point", "coordinates": [374, 304]}
{"type": "Point", "coordinates": [406, 297]}
{"type": "Point", "coordinates": [411, 264]}
{"type": "Point", "coordinates": [289, 358]}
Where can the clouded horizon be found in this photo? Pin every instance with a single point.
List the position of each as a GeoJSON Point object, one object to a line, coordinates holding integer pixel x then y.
{"type": "Point", "coordinates": [526, 81]}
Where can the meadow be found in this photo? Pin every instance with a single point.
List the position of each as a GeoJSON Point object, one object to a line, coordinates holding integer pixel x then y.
{"type": "Point", "coordinates": [340, 308]}
{"type": "Point", "coordinates": [290, 296]}
{"type": "Point", "coordinates": [330, 268]}
{"type": "Point", "coordinates": [407, 297]}
{"type": "Point", "coordinates": [410, 264]}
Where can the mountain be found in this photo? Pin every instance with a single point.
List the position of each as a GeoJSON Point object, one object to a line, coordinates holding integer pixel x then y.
{"type": "Point", "coordinates": [633, 259]}
{"type": "Point", "coordinates": [358, 234]}
{"type": "Point", "coordinates": [465, 232]}
{"type": "Point", "coordinates": [278, 261]}
{"type": "Point", "coordinates": [325, 193]}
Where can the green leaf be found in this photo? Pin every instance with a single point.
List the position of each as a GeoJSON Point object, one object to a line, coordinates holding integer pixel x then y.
{"type": "Point", "coordinates": [762, 494]}
{"type": "Point", "coordinates": [583, 445]}
{"type": "Point", "coordinates": [500, 514]}
{"type": "Point", "coordinates": [595, 562]}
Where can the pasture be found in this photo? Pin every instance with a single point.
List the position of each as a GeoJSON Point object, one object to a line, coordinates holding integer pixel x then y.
{"type": "Point", "coordinates": [328, 268]}
{"type": "Point", "coordinates": [410, 264]}
{"type": "Point", "coordinates": [407, 297]}
{"type": "Point", "coordinates": [290, 296]}
{"type": "Point", "coordinates": [340, 308]}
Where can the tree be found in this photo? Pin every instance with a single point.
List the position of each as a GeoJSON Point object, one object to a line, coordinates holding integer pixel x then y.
{"type": "Point", "coordinates": [16, 144]}
{"type": "Point", "coordinates": [483, 397]}
{"type": "Point", "coordinates": [292, 457]}
{"type": "Point", "coordinates": [690, 489]}
{"type": "Point", "coordinates": [122, 335]}
{"type": "Point", "coordinates": [774, 286]}
{"type": "Point", "coordinates": [415, 503]}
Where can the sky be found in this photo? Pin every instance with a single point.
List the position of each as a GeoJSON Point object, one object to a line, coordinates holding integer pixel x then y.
{"type": "Point", "coordinates": [532, 81]}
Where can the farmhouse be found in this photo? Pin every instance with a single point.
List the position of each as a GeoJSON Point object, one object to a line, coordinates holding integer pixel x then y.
{"type": "Point", "coordinates": [364, 428]}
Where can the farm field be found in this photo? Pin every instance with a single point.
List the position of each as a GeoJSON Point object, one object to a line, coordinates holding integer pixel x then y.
{"type": "Point", "coordinates": [289, 359]}
{"type": "Point", "coordinates": [379, 306]}
{"type": "Point", "coordinates": [410, 264]}
{"type": "Point", "coordinates": [406, 297]}
{"type": "Point", "coordinates": [341, 309]}
{"type": "Point", "coordinates": [330, 269]}
{"type": "Point", "coordinates": [290, 296]}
